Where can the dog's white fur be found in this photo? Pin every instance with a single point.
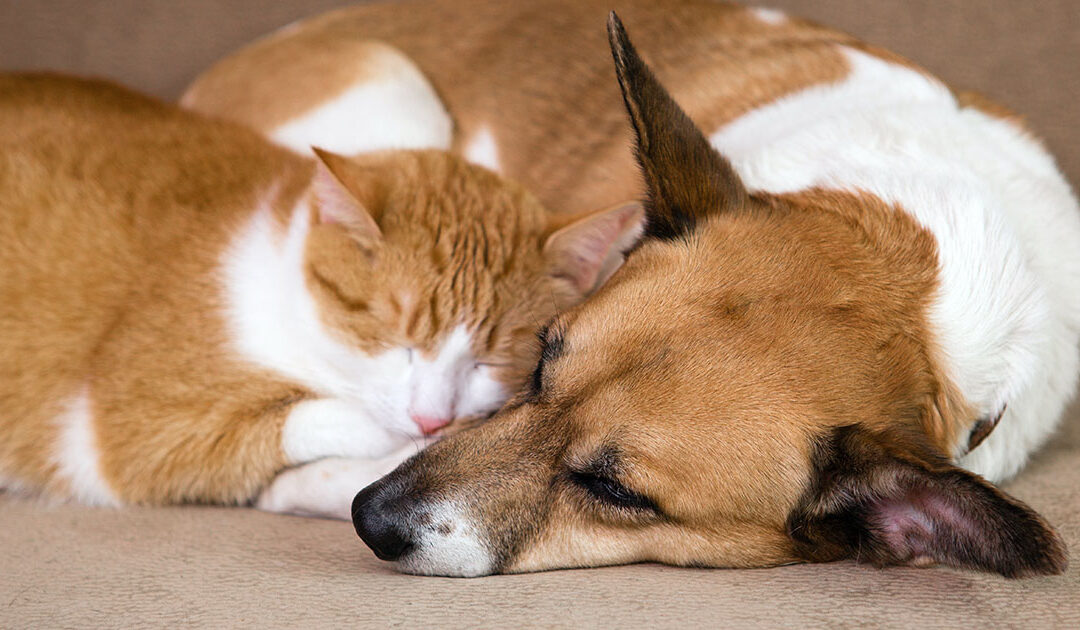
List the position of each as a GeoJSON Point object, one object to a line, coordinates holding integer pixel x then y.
{"type": "Point", "coordinates": [769, 16]}
{"type": "Point", "coordinates": [391, 106]}
{"type": "Point", "coordinates": [1007, 313]}
{"type": "Point", "coordinates": [482, 150]}
{"type": "Point", "coordinates": [450, 544]}
{"type": "Point", "coordinates": [404, 113]}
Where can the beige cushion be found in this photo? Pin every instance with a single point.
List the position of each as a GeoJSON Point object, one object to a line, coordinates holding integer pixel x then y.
{"type": "Point", "coordinates": [217, 567]}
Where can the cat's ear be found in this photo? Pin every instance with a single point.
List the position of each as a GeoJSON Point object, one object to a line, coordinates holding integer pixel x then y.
{"type": "Point", "coordinates": [875, 500]}
{"type": "Point", "coordinates": [348, 194]}
{"type": "Point", "coordinates": [590, 248]}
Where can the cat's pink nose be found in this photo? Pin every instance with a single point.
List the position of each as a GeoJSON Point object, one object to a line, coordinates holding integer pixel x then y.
{"type": "Point", "coordinates": [430, 424]}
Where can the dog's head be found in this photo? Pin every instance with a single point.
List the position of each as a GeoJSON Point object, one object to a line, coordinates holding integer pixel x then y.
{"type": "Point", "coordinates": [756, 386]}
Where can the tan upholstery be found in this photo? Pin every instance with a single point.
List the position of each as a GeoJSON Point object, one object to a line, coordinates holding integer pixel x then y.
{"type": "Point", "coordinates": [210, 567]}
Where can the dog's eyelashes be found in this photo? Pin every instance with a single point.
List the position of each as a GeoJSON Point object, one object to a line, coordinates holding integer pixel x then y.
{"type": "Point", "coordinates": [541, 335]}
{"type": "Point", "coordinates": [612, 492]}
{"type": "Point", "coordinates": [551, 347]}
{"type": "Point", "coordinates": [536, 383]}
{"type": "Point", "coordinates": [551, 344]}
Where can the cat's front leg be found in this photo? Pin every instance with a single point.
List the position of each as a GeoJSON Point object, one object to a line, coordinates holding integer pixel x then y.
{"type": "Point", "coordinates": [326, 488]}
{"type": "Point", "coordinates": [337, 449]}
{"type": "Point", "coordinates": [332, 427]}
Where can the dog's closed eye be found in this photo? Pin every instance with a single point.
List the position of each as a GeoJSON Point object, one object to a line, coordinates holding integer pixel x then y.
{"type": "Point", "coordinates": [611, 492]}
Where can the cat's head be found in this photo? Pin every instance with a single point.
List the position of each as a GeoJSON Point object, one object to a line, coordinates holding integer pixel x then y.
{"type": "Point", "coordinates": [442, 272]}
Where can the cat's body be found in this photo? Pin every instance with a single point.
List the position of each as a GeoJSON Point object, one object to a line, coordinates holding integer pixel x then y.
{"type": "Point", "coordinates": [186, 310]}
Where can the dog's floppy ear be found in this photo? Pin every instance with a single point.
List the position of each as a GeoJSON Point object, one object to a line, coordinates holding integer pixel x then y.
{"type": "Point", "coordinates": [874, 501]}
{"type": "Point", "coordinates": [685, 178]}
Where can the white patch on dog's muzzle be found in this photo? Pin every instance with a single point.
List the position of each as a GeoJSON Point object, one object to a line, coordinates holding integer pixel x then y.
{"type": "Point", "coordinates": [448, 543]}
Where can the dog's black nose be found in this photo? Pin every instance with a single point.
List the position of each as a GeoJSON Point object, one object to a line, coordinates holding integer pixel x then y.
{"type": "Point", "coordinates": [377, 524]}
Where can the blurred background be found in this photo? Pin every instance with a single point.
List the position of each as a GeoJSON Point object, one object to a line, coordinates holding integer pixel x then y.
{"type": "Point", "coordinates": [1024, 54]}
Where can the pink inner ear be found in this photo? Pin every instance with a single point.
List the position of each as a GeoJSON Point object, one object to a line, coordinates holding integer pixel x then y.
{"type": "Point", "coordinates": [593, 247]}
{"type": "Point", "coordinates": [582, 249]}
{"type": "Point", "coordinates": [336, 205]}
{"type": "Point", "coordinates": [913, 525]}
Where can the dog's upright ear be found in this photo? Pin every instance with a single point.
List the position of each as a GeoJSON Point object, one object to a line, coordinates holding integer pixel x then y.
{"type": "Point", "coordinates": [685, 178]}
{"type": "Point", "coordinates": [877, 501]}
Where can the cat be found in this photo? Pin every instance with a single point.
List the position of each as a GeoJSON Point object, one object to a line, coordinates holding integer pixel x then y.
{"type": "Point", "coordinates": [187, 310]}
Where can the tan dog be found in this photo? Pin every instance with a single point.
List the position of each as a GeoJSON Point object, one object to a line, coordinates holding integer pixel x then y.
{"type": "Point", "coordinates": [805, 357]}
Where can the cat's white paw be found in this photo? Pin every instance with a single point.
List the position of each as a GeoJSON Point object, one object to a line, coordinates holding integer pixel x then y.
{"type": "Point", "coordinates": [331, 427]}
{"type": "Point", "coordinates": [326, 488]}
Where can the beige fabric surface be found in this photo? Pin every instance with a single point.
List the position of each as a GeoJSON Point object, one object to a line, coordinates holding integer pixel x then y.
{"type": "Point", "coordinates": [67, 566]}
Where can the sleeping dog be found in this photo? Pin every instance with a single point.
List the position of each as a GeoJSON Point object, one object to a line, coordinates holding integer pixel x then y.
{"type": "Point", "coordinates": [855, 302]}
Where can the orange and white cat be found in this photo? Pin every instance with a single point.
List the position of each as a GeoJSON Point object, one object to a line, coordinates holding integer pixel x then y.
{"type": "Point", "coordinates": [187, 311]}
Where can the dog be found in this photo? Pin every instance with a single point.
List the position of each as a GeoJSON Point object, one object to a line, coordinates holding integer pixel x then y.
{"type": "Point", "coordinates": [855, 304]}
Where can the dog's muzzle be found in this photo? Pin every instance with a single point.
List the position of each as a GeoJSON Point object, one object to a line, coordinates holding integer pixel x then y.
{"type": "Point", "coordinates": [429, 537]}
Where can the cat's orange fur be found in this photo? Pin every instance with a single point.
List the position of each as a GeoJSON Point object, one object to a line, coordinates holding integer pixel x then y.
{"type": "Point", "coordinates": [116, 213]}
